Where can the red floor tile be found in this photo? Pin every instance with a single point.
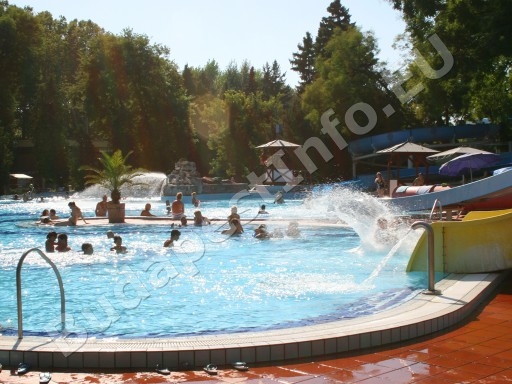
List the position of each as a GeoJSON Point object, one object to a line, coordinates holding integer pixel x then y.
{"type": "Point", "coordinates": [480, 368]}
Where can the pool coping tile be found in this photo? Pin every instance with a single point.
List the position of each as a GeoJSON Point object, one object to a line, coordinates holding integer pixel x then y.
{"type": "Point", "coordinates": [424, 314]}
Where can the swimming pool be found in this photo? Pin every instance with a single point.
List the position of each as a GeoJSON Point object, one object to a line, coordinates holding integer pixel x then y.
{"type": "Point", "coordinates": [208, 283]}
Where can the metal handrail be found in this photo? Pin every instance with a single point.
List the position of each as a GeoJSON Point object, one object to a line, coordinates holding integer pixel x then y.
{"type": "Point", "coordinates": [437, 202]}
{"type": "Point", "coordinates": [18, 290]}
{"type": "Point", "coordinates": [430, 251]}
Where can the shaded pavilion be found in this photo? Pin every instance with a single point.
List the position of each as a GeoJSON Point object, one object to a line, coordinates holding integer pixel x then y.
{"type": "Point", "coordinates": [284, 171]}
{"type": "Point", "coordinates": [400, 153]}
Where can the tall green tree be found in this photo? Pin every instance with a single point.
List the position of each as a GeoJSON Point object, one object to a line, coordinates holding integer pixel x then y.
{"type": "Point", "coordinates": [303, 62]}
{"type": "Point", "coordinates": [338, 18]}
{"type": "Point", "coordinates": [273, 82]}
{"type": "Point", "coordinates": [349, 75]}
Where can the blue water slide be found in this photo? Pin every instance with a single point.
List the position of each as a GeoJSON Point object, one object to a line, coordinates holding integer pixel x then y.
{"type": "Point", "coordinates": [368, 145]}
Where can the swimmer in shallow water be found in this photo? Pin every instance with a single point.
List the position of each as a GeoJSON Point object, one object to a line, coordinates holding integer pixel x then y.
{"type": "Point", "coordinates": [261, 232]}
{"type": "Point", "coordinates": [384, 233]}
{"type": "Point", "coordinates": [175, 236]}
{"type": "Point", "coordinates": [51, 242]}
{"type": "Point", "coordinates": [87, 249]}
{"type": "Point", "coordinates": [118, 245]}
{"type": "Point", "coordinates": [200, 220]}
{"type": "Point", "coordinates": [62, 243]}
{"type": "Point", "coordinates": [235, 228]}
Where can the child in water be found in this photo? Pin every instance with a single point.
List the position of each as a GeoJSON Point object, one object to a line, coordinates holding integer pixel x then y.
{"type": "Point", "coordinates": [118, 247]}
{"type": "Point", "coordinates": [50, 243]}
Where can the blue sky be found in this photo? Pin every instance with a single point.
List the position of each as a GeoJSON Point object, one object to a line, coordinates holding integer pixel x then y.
{"type": "Point", "coordinates": [227, 30]}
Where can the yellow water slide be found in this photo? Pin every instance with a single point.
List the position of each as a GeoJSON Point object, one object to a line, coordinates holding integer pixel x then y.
{"type": "Point", "coordinates": [480, 243]}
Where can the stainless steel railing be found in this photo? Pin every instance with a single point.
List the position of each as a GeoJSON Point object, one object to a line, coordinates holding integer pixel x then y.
{"type": "Point", "coordinates": [18, 290]}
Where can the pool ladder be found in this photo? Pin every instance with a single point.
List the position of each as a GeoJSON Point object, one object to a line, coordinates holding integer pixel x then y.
{"type": "Point", "coordinates": [18, 290]}
{"type": "Point", "coordinates": [431, 272]}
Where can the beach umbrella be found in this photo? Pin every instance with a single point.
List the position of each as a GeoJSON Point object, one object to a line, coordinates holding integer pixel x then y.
{"type": "Point", "coordinates": [278, 144]}
{"type": "Point", "coordinates": [445, 155]}
{"type": "Point", "coordinates": [468, 162]}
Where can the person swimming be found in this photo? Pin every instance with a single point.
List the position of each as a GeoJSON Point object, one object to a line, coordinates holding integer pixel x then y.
{"type": "Point", "coordinates": [175, 235]}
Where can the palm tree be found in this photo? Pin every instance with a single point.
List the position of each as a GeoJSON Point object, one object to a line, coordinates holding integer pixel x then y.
{"type": "Point", "coordinates": [115, 172]}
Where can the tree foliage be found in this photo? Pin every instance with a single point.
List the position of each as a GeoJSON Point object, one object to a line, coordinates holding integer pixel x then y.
{"type": "Point", "coordinates": [70, 90]}
{"type": "Point", "coordinates": [476, 34]}
{"type": "Point", "coordinates": [67, 87]}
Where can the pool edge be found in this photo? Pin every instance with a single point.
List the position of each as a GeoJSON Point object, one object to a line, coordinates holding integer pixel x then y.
{"type": "Point", "coordinates": [461, 295]}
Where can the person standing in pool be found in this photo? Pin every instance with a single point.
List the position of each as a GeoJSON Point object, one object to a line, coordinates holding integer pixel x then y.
{"type": "Point", "coordinates": [87, 248]}
{"type": "Point", "coordinates": [53, 214]}
{"type": "Point", "coordinates": [235, 228]}
{"type": "Point", "coordinates": [147, 210]}
{"type": "Point", "coordinates": [261, 232]}
{"type": "Point", "coordinates": [118, 245]}
{"type": "Point", "coordinates": [200, 220]}
{"type": "Point", "coordinates": [234, 213]}
{"type": "Point", "coordinates": [101, 207]}
{"type": "Point", "coordinates": [177, 207]}
{"type": "Point", "coordinates": [62, 243]}
{"type": "Point", "coordinates": [50, 243]}
{"type": "Point", "coordinates": [195, 201]}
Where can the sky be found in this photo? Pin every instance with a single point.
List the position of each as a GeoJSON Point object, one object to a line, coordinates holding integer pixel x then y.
{"type": "Point", "coordinates": [228, 31]}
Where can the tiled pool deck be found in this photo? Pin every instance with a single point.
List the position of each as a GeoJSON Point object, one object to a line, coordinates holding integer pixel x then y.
{"type": "Point", "coordinates": [460, 296]}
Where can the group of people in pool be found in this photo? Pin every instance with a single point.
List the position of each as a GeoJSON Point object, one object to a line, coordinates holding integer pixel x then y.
{"type": "Point", "coordinates": [59, 243]}
{"type": "Point", "coordinates": [49, 217]}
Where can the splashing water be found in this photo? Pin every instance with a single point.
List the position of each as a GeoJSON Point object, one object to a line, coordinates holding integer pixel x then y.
{"type": "Point", "coordinates": [360, 211]}
{"type": "Point", "coordinates": [149, 185]}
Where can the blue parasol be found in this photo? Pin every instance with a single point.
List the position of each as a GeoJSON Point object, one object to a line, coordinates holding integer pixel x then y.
{"type": "Point", "coordinates": [468, 162]}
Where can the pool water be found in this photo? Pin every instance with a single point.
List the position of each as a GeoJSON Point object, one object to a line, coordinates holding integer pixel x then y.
{"type": "Point", "coordinates": [208, 283]}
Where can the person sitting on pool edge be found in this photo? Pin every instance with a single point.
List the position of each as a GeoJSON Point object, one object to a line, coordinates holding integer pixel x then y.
{"type": "Point", "coordinates": [175, 235]}
{"type": "Point", "coordinates": [76, 213]}
{"type": "Point", "coordinates": [118, 247]}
